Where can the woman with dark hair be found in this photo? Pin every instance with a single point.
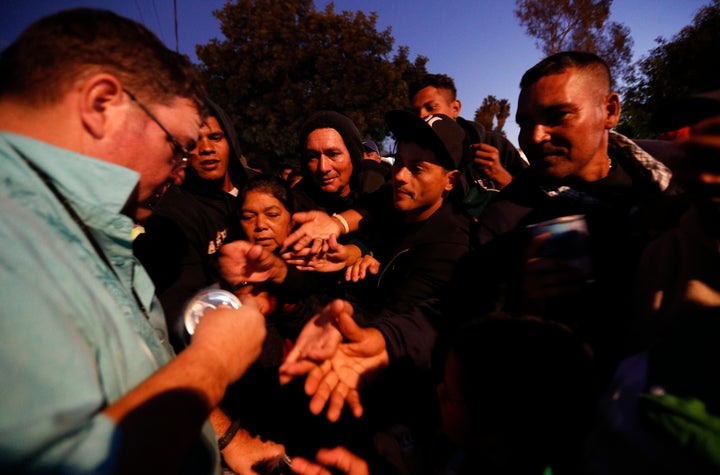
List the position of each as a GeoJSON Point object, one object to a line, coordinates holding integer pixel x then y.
{"type": "Point", "coordinates": [288, 298]}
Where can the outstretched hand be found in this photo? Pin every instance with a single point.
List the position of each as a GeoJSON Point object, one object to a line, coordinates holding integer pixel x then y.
{"type": "Point", "coordinates": [332, 257]}
{"type": "Point", "coordinates": [241, 262]}
{"type": "Point", "coordinates": [315, 228]}
{"type": "Point", "coordinates": [336, 354]}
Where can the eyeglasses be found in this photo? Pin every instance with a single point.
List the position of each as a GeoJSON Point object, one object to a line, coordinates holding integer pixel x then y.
{"type": "Point", "coordinates": [181, 154]}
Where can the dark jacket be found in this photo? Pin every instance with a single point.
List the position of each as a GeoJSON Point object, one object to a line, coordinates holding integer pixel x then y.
{"type": "Point", "coordinates": [624, 211]}
{"type": "Point", "coordinates": [418, 261]}
{"type": "Point", "coordinates": [374, 174]}
{"type": "Point", "coordinates": [187, 227]}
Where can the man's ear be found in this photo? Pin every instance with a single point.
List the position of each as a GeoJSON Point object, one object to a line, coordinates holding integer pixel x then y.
{"type": "Point", "coordinates": [101, 93]}
{"type": "Point", "coordinates": [456, 106]}
{"type": "Point", "coordinates": [612, 109]}
{"type": "Point", "coordinates": [453, 180]}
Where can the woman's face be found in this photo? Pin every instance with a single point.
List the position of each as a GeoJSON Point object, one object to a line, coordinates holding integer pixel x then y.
{"type": "Point", "coordinates": [265, 219]}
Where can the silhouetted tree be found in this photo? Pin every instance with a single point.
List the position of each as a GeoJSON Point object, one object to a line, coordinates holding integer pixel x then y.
{"type": "Point", "coordinates": [685, 65]}
{"type": "Point", "coordinates": [502, 114]}
{"type": "Point", "coordinates": [485, 114]}
{"type": "Point", "coordinates": [493, 111]}
{"type": "Point", "coordinates": [282, 60]}
{"type": "Point", "coordinates": [562, 25]}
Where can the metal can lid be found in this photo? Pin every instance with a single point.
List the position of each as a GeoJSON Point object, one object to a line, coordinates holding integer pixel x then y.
{"type": "Point", "coordinates": [203, 300]}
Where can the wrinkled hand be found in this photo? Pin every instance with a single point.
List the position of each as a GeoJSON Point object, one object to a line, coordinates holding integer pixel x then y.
{"type": "Point", "coordinates": [361, 267]}
{"type": "Point", "coordinates": [315, 228]}
{"type": "Point", "coordinates": [334, 377]}
{"type": "Point", "coordinates": [246, 452]}
{"type": "Point", "coordinates": [242, 261]}
{"type": "Point", "coordinates": [318, 341]}
{"type": "Point", "coordinates": [487, 159]}
{"type": "Point", "coordinates": [339, 458]}
{"type": "Point", "coordinates": [332, 257]}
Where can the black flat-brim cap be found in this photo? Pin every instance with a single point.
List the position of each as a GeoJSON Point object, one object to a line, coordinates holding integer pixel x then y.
{"type": "Point", "coordinates": [687, 111]}
{"type": "Point", "coordinates": [437, 132]}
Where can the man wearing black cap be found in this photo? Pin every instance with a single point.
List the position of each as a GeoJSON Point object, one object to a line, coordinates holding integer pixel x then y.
{"type": "Point", "coordinates": [422, 242]}
{"type": "Point", "coordinates": [425, 232]}
{"type": "Point", "coordinates": [493, 161]}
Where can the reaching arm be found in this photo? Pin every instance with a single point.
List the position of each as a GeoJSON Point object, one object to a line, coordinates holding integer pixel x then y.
{"type": "Point", "coordinates": [335, 369]}
{"type": "Point", "coordinates": [163, 415]}
{"type": "Point", "coordinates": [317, 226]}
{"type": "Point", "coordinates": [244, 451]}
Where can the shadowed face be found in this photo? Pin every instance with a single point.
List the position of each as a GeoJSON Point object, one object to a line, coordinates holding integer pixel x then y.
{"type": "Point", "coordinates": [419, 182]}
{"type": "Point", "coordinates": [265, 219]}
{"type": "Point", "coordinates": [211, 156]}
{"type": "Point", "coordinates": [328, 160]}
{"type": "Point", "coordinates": [431, 100]}
{"type": "Point", "coordinates": [564, 124]}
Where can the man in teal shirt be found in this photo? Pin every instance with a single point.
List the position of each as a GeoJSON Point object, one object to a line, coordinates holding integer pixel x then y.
{"type": "Point", "coordinates": [96, 119]}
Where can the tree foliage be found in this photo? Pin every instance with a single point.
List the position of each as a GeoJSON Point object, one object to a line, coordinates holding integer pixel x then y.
{"type": "Point", "coordinates": [281, 60]}
{"type": "Point", "coordinates": [685, 65]}
{"type": "Point", "coordinates": [562, 25]}
{"type": "Point", "coordinates": [493, 110]}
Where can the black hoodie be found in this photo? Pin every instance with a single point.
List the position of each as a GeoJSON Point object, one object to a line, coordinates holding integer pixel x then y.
{"type": "Point", "coordinates": [187, 227]}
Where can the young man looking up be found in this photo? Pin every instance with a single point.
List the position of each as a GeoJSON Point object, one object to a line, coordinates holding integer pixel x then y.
{"type": "Point", "coordinates": [494, 161]}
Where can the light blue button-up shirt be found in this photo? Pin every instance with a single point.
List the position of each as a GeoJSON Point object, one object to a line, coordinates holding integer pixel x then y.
{"type": "Point", "coordinates": [72, 337]}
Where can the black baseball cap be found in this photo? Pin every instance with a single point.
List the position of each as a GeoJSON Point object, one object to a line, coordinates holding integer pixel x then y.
{"type": "Point", "coordinates": [438, 132]}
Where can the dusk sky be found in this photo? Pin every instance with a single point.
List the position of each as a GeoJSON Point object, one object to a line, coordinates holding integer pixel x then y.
{"type": "Point", "coordinates": [479, 43]}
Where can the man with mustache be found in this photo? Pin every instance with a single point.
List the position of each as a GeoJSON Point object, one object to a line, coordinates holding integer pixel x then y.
{"type": "Point", "coordinates": [578, 166]}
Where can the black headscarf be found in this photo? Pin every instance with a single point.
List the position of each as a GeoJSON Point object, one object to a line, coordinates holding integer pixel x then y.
{"type": "Point", "coordinates": [347, 130]}
{"type": "Point", "coordinates": [236, 169]}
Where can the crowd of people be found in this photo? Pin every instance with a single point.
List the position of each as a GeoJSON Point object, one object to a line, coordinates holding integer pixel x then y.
{"type": "Point", "coordinates": [430, 316]}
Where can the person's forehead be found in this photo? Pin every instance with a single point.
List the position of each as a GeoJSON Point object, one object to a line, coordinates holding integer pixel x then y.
{"type": "Point", "coordinates": [326, 134]}
{"type": "Point", "coordinates": [212, 123]}
{"type": "Point", "coordinates": [553, 91]}
{"type": "Point", "coordinates": [432, 93]}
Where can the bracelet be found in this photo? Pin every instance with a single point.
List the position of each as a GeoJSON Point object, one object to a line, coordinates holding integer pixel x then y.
{"type": "Point", "coordinates": [343, 222]}
{"type": "Point", "coordinates": [229, 434]}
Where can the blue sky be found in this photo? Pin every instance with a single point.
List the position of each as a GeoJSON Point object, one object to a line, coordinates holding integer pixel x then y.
{"type": "Point", "coordinates": [479, 43]}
